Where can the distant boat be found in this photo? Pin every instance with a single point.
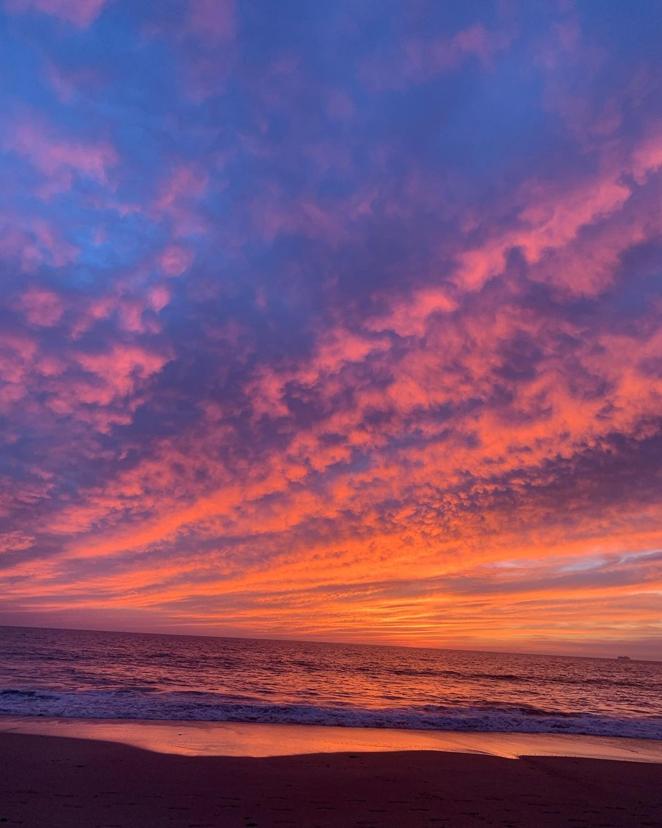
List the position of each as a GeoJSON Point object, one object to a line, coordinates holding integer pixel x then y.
{"type": "Point", "coordinates": [623, 658]}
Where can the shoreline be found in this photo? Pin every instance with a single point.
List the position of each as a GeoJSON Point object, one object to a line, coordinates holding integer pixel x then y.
{"type": "Point", "coordinates": [258, 740]}
{"type": "Point", "coordinates": [67, 782]}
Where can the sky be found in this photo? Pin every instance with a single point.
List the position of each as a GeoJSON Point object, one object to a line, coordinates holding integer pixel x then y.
{"type": "Point", "coordinates": [336, 321]}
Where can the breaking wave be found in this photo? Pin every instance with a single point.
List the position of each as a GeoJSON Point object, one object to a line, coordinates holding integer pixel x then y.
{"type": "Point", "coordinates": [130, 703]}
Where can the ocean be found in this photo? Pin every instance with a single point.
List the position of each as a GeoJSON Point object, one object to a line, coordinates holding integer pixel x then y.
{"type": "Point", "coordinates": [108, 675]}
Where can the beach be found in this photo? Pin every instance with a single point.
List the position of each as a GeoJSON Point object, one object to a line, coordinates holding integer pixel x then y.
{"type": "Point", "coordinates": [48, 780]}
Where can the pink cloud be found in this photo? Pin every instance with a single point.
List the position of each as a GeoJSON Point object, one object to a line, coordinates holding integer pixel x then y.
{"type": "Point", "coordinates": [80, 13]}
{"type": "Point", "coordinates": [67, 83]}
{"type": "Point", "coordinates": [15, 541]}
{"type": "Point", "coordinates": [275, 215]}
{"type": "Point", "coordinates": [158, 297]}
{"type": "Point", "coordinates": [175, 260]}
{"type": "Point", "coordinates": [130, 314]}
{"type": "Point", "coordinates": [131, 305]}
{"type": "Point", "coordinates": [421, 58]}
{"type": "Point", "coordinates": [61, 253]}
{"type": "Point", "coordinates": [50, 366]}
{"type": "Point", "coordinates": [177, 199]}
{"type": "Point", "coordinates": [59, 159]}
{"type": "Point", "coordinates": [17, 354]}
{"type": "Point", "coordinates": [427, 57]}
{"type": "Point", "coordinates": [32, 242]}
{"type": "Point", "coordinates": [571, 235]}
{"type": "Point", "coordinates": [183, 182]}
{"type": "Point", "coordinates": [647, 156]}
{"type": "Point", "coordinates": [41, 307]}
{"type": "Point", "coordinates": [203, 39]}
{"type": "Point", "coordinates": [94, 311]}
{"type": "Point", "coordinates": [120, 370]}
{"type": "Point", "coordinates": [407, 317]}
{"type": "Point", "coordinates": [212, 19]}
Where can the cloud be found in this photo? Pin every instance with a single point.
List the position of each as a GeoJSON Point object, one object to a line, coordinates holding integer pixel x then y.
{"type": "Point", "coordinates": [80, 13]}
{"type": "Point", "coordinates": [178, 198]}
{"type": "Point", "coordinates": [175, 260]}
{"type": "Point", "coordinates": [32, 242]}
{"type": "Point", "coordinates": [212, 19]}
{"type": "Point", "coordinates": [41, 307]}
{"type": "Point", "coordinates": [58, 159]}
{"type": "Point", "coordinates": [117, 371]}
{"type": "Point", "coordinates": [342, 324]}
{"type": "Point", "coordinates": [419, 58]}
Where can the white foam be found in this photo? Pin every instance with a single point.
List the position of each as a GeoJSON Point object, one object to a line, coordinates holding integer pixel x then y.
{"type": "Point", "coordinates": [209, 707]}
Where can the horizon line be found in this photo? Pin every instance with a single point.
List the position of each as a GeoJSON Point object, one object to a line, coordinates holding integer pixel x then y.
{"type": "Point", "coordinates": [335, 643]}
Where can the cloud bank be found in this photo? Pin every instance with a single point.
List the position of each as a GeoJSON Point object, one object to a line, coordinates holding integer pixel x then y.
{"type": "Point", "coordinates": [341, 322]}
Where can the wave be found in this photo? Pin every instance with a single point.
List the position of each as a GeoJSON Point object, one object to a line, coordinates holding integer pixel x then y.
{"type": "Point", "coordinates": [518, 678]}
{"type": "Point", "coordinates": [131, 703]}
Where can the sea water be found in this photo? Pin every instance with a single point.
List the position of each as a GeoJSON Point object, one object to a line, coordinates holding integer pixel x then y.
{"type": "Point", "coordinates": [111, 675]}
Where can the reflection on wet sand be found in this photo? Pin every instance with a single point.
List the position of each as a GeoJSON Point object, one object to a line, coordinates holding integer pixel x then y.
{"type": "Point", "coordinates": [245, 739]}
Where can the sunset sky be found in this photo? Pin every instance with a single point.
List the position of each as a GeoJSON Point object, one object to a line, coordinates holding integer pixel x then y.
{"type": "Point", "coordinates": [333, 320]}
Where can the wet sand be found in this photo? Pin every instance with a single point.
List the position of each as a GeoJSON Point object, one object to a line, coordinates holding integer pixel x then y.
{"type": "Point", "coordinates": [190, 738]}
{"type": "Point", "coordinates": [56, 781]}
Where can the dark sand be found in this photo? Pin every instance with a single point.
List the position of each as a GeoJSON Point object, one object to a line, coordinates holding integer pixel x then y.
{"type": "Point", "coordinates": [54, 781]}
